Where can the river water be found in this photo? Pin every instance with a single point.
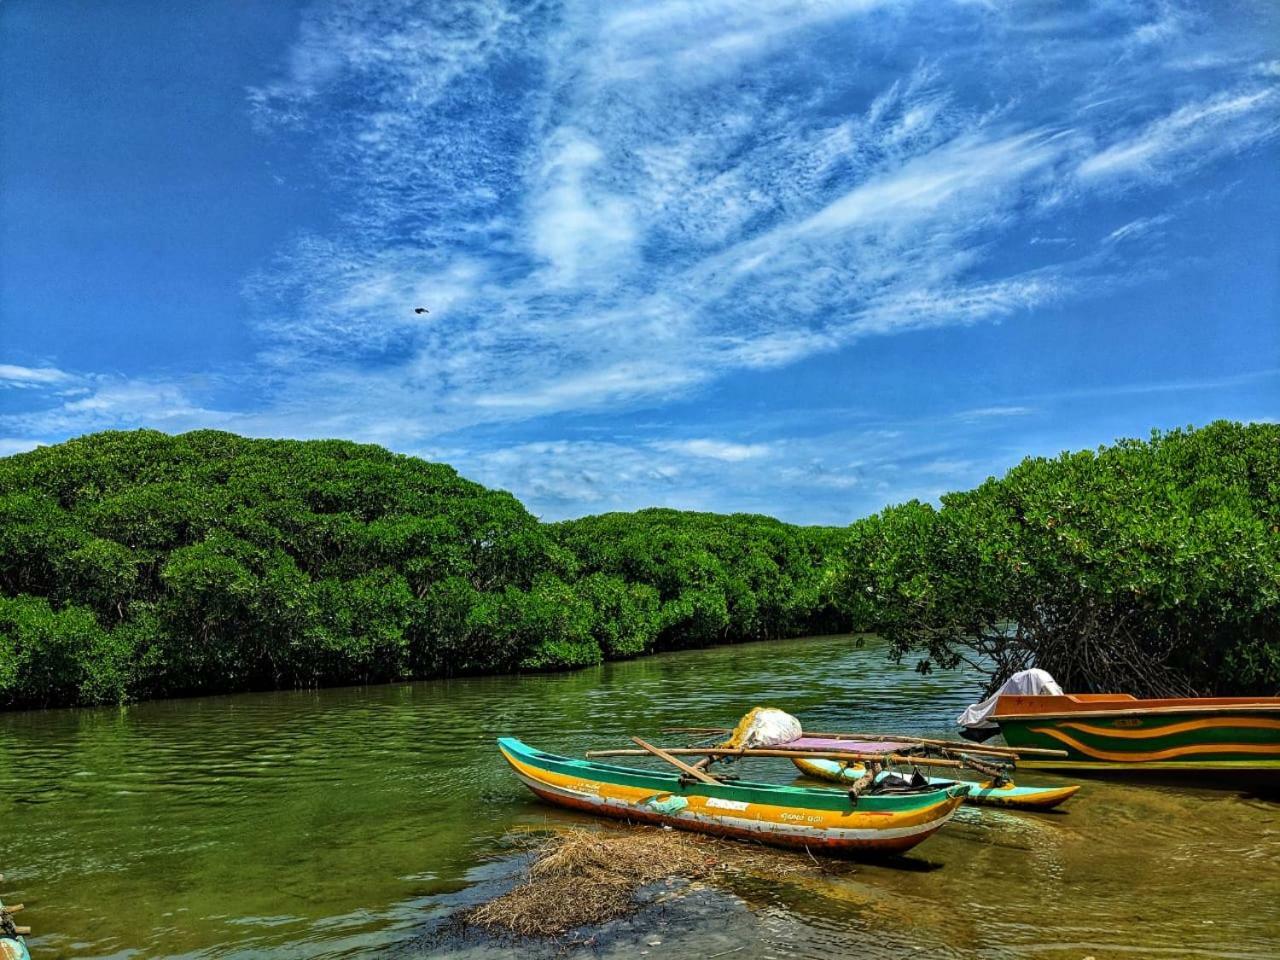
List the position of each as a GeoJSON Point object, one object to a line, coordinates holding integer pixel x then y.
{"type": "Point", "coordinates": [347, 823]}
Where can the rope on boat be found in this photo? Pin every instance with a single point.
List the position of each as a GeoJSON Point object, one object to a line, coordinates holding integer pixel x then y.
{"type": "Point", "coordinates": [864, 782]}
{"type": "Point", "coordinates": [999, 775]}
{"type": "Point", "coordinates": [10, 930]}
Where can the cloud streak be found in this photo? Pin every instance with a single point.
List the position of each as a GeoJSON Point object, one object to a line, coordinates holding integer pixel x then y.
{"type": "Point", "coordinates": [1194, 134]}
{"type": "Point", "coordinates": [12, 375]}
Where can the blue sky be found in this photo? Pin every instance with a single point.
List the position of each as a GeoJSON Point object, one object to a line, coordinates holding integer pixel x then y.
{"type": "Point", "coordinates": [805, 259]}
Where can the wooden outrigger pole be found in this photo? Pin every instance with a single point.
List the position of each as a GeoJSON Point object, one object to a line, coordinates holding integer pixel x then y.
{"type": "Point", "coordinates": [957, 746]}
{"type": "Point", "coordinates": [670, 754]}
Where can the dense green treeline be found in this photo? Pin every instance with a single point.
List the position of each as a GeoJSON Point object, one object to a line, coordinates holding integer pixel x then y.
{"type": "Point", "coordinates": [137, 565]}
{"type": "Point", "coordinates": [701, 578]}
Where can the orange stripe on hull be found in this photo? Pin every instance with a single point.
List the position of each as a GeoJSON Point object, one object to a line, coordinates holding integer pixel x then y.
{"type": "Point", "coordinates": [1170, 754]}
{"type": "Point", "coordinates": [1257, 723]}
{"type": "Point", "coordinates": [889, 845]}
{"type": "Point", "coordinates": [1027, 706]}
{"type": "Point", "coordinates": [815, 820]}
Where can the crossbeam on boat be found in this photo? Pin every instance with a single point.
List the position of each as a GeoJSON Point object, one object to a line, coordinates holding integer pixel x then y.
{"type": "Point", "coordinates": [958, 746]}
{"type": "Point", "coordinates": [722, 752]}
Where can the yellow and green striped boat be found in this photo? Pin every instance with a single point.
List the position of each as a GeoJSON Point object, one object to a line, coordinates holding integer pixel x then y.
{"type": "Point", "coordinates": [787, 816]}
{"type": "Point", "coordinates": [1229, 737]}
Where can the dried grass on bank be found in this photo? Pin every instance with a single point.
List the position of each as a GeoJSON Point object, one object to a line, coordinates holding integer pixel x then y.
{"type": "Point", "coordinates": [584, 877]}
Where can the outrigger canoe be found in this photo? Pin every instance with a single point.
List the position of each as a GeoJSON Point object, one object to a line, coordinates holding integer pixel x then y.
{"type": "Point", "coordinates": [788, 816]}
{"type": "Point", "coordinates": [987, 794]}
{"type": "Point", "coordinates": [1228, 738]}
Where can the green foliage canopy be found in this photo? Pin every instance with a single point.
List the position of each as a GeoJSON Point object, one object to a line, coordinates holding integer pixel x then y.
{"type": "Point", "coordinates": [1146, 567]}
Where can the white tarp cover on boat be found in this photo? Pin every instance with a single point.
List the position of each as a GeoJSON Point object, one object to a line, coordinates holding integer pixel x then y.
{"type": "Point", "coordinates": [765, 727]}
{"type": "Point", "coordinates": [1032, 682]}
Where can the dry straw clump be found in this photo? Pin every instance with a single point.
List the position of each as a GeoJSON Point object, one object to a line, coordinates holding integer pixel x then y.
{"type": "Point", "coordinates": [582, 877]}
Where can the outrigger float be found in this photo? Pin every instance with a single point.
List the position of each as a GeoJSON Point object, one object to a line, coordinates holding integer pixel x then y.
{"type": "Point", "coordinates": [13, 944]}
{"type": "Point", "coordinates": [984, 793]}
{"type": "Point", "coordinates": [877, 822]}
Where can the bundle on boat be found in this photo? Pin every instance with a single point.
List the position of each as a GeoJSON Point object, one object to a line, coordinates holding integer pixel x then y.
{"type": "Point", "coordinates": [13, 945]}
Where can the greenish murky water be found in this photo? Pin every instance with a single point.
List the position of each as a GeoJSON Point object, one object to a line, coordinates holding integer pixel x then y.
{"type": "Point", "coordinates": [347, 823]}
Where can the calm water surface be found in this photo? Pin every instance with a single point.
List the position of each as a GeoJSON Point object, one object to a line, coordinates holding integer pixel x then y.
{"type": "Point", "coordinates": [345, 823]}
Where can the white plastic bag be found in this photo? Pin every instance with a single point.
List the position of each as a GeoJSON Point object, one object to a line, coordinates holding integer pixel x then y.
{"type": "Point", "coordinates": [765, 727]}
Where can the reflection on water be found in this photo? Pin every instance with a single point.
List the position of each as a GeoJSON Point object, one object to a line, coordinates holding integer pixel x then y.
{"type": "Point", "coordinates": [338, 823]}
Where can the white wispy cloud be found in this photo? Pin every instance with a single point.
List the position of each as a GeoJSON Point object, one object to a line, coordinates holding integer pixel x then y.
{"type": "Point", "coordinates": [81, 403]}
{"type": "Point", "coordinates": [983, 413]}
{"type": "Point", "coordinates": [967, 170]}
{"type": "Point", "coordinates": [831, 476]}
{"type": "Point", "coordinates": [1193, 134]}
{"type": "Point", "coordinates": [948, 468]}
{"type": "Point", "coordinates": [11, 445]}
{"type": "Point", "coordinates": [12, 375]}
{"type": "Point", "coordinates": [585, 233]}
{"type": "Point", "coordinates": [1140, 227]}
{"type": "Point", "coordinates": [716, 449]}
{"type": "Point", "coordinates": [558, 478]}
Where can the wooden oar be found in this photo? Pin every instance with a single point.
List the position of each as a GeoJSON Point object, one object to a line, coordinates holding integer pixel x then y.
{"type": "Point", "coordinates": [957, 745]}
{"type": "Point", "coordinates": [669, 754]}
{"type": "Point", "coordinates": [659, 752]}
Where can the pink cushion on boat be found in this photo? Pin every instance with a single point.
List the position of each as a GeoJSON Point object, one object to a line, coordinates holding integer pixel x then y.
{"type": "Point", "coordinates": [853, 746]}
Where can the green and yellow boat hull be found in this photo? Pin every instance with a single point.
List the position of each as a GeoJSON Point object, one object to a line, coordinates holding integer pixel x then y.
{"type": "Point", "coordinates": [1222, 736]}
{"type": "Point", "coordinates": [787, 816]}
